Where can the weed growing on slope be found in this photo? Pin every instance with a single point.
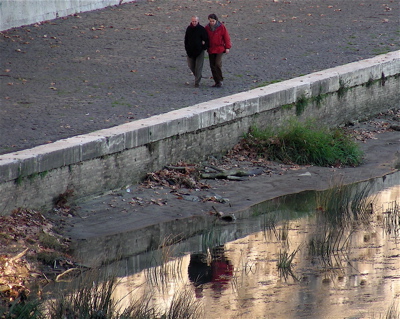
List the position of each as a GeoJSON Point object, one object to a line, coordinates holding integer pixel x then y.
{"type": "Point", "coordinates": [304, 143]}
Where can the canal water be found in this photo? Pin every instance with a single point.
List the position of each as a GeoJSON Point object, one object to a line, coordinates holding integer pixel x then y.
{"type": "Point", "coordinates": [332, 254]}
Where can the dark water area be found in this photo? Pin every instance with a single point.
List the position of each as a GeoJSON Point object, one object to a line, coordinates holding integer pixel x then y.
{"type": "Point", "coordinates": [331, 254]}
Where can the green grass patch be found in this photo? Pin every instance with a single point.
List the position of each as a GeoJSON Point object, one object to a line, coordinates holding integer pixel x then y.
{"type": "Point", "coordinates": [120, 103]}
{"type": "Point", "coordinates": [301, 105]}
{"type": "Point", "coordinates": [265, 83]}
{"type": "Point", "coordinates": [319, 98]}
{"type": "Point", "coordinates": [342, 89]}
{"type": "Point", "coordinates": [304, 143]}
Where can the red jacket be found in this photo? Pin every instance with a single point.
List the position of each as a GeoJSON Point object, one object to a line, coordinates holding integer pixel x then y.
{"type": "Point", "coordinates": [219, 39]}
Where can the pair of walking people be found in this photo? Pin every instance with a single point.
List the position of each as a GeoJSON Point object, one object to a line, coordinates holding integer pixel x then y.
{"type": "Point", "coordinates": [214, 38]}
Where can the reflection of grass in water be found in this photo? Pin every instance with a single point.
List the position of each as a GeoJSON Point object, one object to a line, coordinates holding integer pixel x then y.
{"type": "Point", "coordinates": [285, 263]}
{"type": "Point", "coordinates": [160, 276]}
{"type": "Point", "coordinates": [340, 211]}
{"type": "Point", "coordinates": [241, 273]}
{"type": "Point", "coordinates": [285, 259]}
{"type": "Point", "coordinates": [391, 221]}
{"type": "Point", "coordinates": [281, 233]}
{"type": "Point", "coordinates": [164, 267]}
{"type": "Point", "coordinates": [213, 237]}
{"type": "Point", "coordinates": [393, 312]}
{"type": "Point", "coordinates": [209, 239]}
{"type": "Point", "coordinates": [167, 247]}
{"type": "Point", "coordinates": [328, 241]}
{"type": "Point", "coordinates": [342, 205]}
{"type": "Point", "coordinates": [328, 245]}
{"type": "Point", "coordinates": [269, 226]}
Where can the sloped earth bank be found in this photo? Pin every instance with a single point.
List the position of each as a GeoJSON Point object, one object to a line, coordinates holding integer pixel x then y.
{"type": "Point", "coordinates": [95, 70]}
{"type": "Point", "coordinates": [35, 247]}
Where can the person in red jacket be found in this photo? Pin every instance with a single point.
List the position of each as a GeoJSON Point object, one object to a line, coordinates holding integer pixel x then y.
{"type": "Point", "coordinates": [219, 43]}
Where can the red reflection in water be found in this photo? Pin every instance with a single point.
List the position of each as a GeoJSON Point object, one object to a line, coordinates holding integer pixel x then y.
{"type": "Point", "coordinates": [218, 271]}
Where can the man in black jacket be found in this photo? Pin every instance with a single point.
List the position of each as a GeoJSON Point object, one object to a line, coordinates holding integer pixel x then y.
{"type": "Point", "coordinates": [196, 41]}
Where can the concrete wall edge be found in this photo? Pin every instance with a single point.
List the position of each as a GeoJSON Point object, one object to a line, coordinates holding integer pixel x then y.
{"type": "Point", "coordinates": [40, 160]}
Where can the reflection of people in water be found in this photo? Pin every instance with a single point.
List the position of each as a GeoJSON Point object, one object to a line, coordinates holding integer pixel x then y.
{"type": "Point", "coordinates": [218, 272]}
{"type": "Point", "coordinates": [199, 271]}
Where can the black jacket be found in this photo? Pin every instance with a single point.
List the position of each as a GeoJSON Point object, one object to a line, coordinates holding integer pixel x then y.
{"type": "Point", "coordinates": [194, 37]}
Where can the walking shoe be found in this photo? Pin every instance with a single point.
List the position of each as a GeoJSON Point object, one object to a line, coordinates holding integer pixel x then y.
{"type": "Point", "coordinates": [217, 85]}
{"type": "Point", "coordinates": [196, 85]}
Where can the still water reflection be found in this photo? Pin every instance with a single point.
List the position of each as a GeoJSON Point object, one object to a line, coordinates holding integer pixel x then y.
{"type": "Point", "coordinates": [291, 260]}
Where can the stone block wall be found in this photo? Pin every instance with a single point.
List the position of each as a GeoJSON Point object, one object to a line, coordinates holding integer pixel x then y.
{"type": "Point", "coordinates": [16, 13]}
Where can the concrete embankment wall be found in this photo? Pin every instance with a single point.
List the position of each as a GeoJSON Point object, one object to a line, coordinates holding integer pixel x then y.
{"type": "Point", "coordinates": [16, 13]}
{"type": "Point", "coordinates": [109, 159]}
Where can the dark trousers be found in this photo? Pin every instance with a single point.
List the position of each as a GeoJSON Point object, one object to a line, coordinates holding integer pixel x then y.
{"type": "Point", "coordinates": [216, 66]}
{"type": "Point", "coordinates": [196, 66]}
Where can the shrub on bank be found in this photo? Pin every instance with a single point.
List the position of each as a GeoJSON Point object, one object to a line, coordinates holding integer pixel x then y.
{"type": "Point", "coordinates": [304, 143]}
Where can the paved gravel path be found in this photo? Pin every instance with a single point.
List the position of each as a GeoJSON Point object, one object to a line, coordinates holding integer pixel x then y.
{"type": "Point", "coordinates": [103, 68]}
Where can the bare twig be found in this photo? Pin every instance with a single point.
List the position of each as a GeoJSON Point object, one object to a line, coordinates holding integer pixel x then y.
{"type": "Point", "coordinates": [19, 256]}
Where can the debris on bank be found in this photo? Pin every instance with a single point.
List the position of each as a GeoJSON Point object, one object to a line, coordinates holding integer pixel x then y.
{"type": "Point", "coordinates": [31, 250]}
